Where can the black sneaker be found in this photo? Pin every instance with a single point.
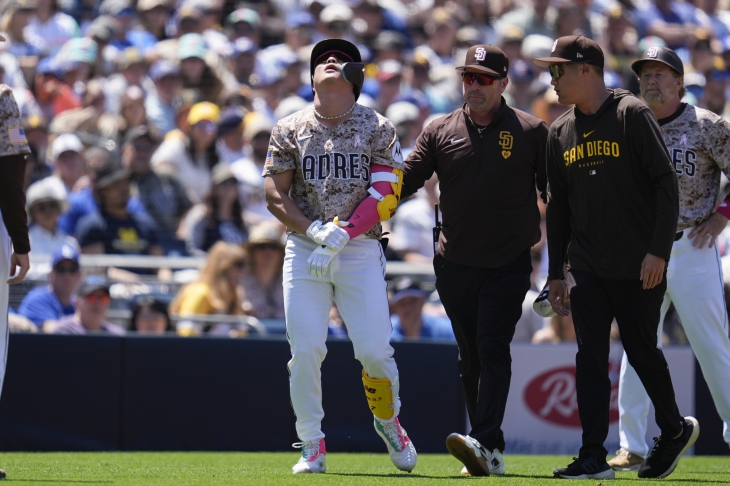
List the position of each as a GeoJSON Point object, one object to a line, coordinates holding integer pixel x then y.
{"type": "Point", "coordinates": [585, 468]}
{"type": "Point", "coordinates": [665, 454]}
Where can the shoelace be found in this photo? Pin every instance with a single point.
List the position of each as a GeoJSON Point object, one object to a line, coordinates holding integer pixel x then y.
{"type": "Point", "coordinates": [392, 430]}
{"type": "Point", "coordinates": [622, 452]}
{"type": "Point", "coordinates": [308, 448]}
{"type": "Point", "coordinates": [478, 445]}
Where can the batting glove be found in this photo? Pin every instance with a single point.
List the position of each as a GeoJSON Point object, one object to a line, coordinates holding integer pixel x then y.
{"type": "Point", "coordinates": [330, 235]}
{"type": "Point", "coordinates": [319, 261]}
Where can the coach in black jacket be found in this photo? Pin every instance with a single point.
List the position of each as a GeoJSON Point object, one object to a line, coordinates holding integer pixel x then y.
{"type": "Point", "coordinates": [613, 208]}
{"type": "Point", "coordinates": [489, 159]}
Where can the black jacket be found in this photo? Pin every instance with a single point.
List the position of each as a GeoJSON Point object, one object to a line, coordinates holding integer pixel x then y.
{"type": "Point", "coordinates": [612, 190]}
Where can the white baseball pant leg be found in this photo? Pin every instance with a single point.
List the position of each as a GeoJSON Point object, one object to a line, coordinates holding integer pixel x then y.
{"type": "Point", "coordinates": [6, 249]}
{"type": "Point", "coordinates": [695, 285]}
{"type": "Point", "coordinates": [355, 281]}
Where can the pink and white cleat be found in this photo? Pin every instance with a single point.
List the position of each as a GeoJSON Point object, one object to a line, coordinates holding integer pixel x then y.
{"type": "Point", "coordinates": [400, 447]}
{"type": "Point", "coordinates": [314, 457]}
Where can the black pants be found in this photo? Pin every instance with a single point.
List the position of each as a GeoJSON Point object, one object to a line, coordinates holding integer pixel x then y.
{"type": "Point", "coordinates": [484, 305]}
{"type": "Point", "coordinates": [594, 304]}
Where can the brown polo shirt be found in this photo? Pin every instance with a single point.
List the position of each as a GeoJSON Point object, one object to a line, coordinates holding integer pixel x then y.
{"type": "Point", "coordinates": [487, 183]}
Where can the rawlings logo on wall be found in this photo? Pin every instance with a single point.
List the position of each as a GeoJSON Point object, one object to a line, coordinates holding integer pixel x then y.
{"type": "Point", "coordinates": [551, 397]}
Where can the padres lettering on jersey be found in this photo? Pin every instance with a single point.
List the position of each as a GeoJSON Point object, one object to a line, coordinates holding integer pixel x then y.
{"type": "Point", "coordinates": [332, 167]}
{"type": "Point", "coordinates": [354, 166]}
{"type": "Point", "coordinates": [699, 148]}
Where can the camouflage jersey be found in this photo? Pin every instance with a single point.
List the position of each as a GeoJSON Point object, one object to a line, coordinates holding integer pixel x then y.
{"type": "Point", "coordinates": [332, 166]}
{"type": "Point", "coordinates": [699, 147]}
{"type": "Point", "coordinates": [12, 136]}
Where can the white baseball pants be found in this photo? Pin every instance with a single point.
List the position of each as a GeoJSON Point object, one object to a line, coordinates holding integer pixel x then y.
{"type": "Point", "coordinates": [6, 250]}
{"type": "Point", "coordinates": [695, 285]}
{"type": "Point", "coordinates": [355, 281]}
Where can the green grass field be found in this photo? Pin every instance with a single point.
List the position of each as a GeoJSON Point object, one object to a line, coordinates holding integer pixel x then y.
{"type": "Point", "coordinates": [262, 469]}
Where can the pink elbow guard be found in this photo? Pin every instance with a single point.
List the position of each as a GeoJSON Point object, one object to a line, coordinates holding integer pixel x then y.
{"type": "Point", "coordinates": [366, 214]}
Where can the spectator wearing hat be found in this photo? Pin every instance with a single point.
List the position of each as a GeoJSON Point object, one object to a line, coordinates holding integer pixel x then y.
{"type": "Point", "coordinates": [45, 201]}
{"type": "Point", "coordinates": [67, 159]}
{"type": "Point", "coordinates": [390, 45]}
{"type": "Point", "coordinates": [79, 58]}
{"type": "Point", "coordinates": [191, 157]}
{"type": "Point", "coordinates": [390, 76]}
{"type": "Point", "coordinates": [620, 48]}
{"type": "Point", "coordinates": [408, 320]}
{"type": "Point", "coordinates": [52, 93]}
{"type": "Point", "coordinates": [194, 71]}
{"type": "Point", "coordinates": [51, 27]}
{"type": "Point", "coordinates": [268, 88]}
{"type": "Point", "coordinates": [298, 34]}
{"type": "Point", "coordinates": [152, 16]}
{"type": "Point", "coordinates": [256, 134]}
{"type": "Point", "coordinates": [521, 78]}
{"type": "Point", "coordinates": [159, 103]}
{"type": "Point", "coordinates": [162, 195]}
{"type": "Point", "coordinates": [263, 280]}
{"type": "Point", "coordinates": [714, 94]}
{"type": "Point", "coordinates": [244, 22]}
{"type": "Point", "coordinates": [113, 229]}
{"type": "Point", "coordinates": [405, 117]}
{"type": "Point", "coordinates": [335, 21]}
{"type": "Point", "coordinates": [218, 217]}
{"type": "Point", "coordinates": [131, 70]}
{"type": "Point", "coordinates": [242, 61]}
{"type": "Point", "coordinates": [14, 19]}
{"type": "Point", "coordinates": [230, 135]}
{"type": "Point", "coordinates": [92, 305]}
{"type": "Point", "coordinates": [210, 28]}
{"type": "Point", "coordinates": [441, 30]}
{"type": "Point", "coordinates": [511, 43]}
{"type": "Point", "coordinates": [44, 306]}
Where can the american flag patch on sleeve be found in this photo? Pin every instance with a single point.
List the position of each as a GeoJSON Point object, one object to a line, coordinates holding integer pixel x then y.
{"type": "Point", "coordinates": [17, 135]}
{"type": "Point", "coordinates": [269, 158]}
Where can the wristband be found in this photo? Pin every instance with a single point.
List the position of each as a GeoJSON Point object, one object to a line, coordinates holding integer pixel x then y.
{"type": "Point", "coordinates": [724, 209]}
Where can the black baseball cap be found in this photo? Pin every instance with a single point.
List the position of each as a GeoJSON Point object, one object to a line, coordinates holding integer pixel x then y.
{"type": "Point", "coordinates": [352, 70]}
{"type": "Point", "coordinates": [575, 49]}
{"type": "Point", "coordinates": [486, 58]}
{"type": "Point", "coordinates": [663, 55]}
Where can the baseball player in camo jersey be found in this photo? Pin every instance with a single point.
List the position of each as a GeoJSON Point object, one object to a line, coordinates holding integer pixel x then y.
{"type": "Point", "coordinates": [333, 172]}
{"type": "Point", "coordinates": [14, 242]}
{"type": "Point", "coordinates": [699, 147]}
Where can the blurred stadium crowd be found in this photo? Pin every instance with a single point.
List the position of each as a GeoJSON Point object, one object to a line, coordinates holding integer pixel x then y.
{"type": "Point", "coordinates": [149, 123]}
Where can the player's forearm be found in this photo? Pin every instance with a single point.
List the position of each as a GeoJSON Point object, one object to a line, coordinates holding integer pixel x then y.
{"type": "Point", "coordinates": [285, 210]}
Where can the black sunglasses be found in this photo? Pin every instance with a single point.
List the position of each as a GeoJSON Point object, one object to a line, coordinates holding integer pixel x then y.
{"type": "Point", "coordinates": [556, 70]}
{"type": "Point", "coordinates": [481, 79]}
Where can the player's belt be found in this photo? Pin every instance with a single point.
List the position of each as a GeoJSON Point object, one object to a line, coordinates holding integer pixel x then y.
{"type": "Point", "coordinates": [678, 236]}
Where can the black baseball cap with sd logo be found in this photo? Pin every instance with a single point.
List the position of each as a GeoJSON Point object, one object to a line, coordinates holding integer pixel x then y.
{"type": "Point", "coordinates": [487, 59]}
{"type": "Point", "coordinates": [573, 49]}
{"type": "Point", "coordinates": [663, 55]}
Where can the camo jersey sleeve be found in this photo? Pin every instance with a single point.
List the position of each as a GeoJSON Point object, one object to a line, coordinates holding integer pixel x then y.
{"type": "Point", "coordinates": [699, 148]}
{"type": "Point", "coordinates": [12, 136]}
{"type": "Point", "coordinates": [332, 166]}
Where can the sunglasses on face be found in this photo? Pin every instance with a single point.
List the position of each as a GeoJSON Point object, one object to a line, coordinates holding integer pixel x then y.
{"type": "Point", "coordinates": [340, 57]}
{"type": "Point", "coordinates": [556, 70]}
{"type": "Point", "coordinates": [481, 79]}
{"type": "Point", "coordinates": [64, 270]}
{"type": "Point", "coordinates": [97, 298]}
{"type": "Point", "coordinates": [47, 206]}
{"type": "Point", "coordinates": [266, 246]}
